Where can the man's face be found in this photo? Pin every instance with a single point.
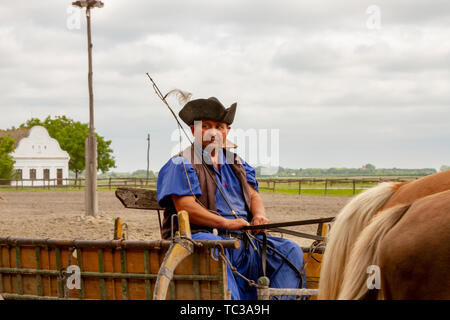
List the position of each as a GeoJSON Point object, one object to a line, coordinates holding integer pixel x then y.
{"type": "Point", "coordinates": [212, 132]}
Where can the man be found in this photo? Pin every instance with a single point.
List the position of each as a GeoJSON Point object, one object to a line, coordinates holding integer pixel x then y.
{"type": "Point", "coordinates": [219, 190]}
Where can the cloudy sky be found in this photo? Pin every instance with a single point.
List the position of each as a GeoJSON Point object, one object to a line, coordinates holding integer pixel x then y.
{"type": "Point", "coordinates": [341, 83]}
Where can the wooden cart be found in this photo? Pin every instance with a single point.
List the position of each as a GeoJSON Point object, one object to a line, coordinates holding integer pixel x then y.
{"type": "Point", "coordinates": [43, 269]}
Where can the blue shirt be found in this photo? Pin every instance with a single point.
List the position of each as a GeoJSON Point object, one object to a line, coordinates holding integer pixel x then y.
{"type": "Point", "coordinates": [172, 181]}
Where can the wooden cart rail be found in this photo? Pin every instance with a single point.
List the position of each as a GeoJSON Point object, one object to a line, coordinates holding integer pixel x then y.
{"type": "Point", "coordinates": [45, 269]}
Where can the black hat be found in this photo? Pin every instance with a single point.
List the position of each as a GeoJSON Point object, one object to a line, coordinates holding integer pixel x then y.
{"type": "Point", "coordinates": [207, 109]}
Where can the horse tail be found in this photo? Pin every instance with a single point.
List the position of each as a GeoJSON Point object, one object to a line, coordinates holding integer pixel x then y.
{"type": "Point", "coordinates": [350, 221]}
{"type": "Point", "coordinates": [365, 253]}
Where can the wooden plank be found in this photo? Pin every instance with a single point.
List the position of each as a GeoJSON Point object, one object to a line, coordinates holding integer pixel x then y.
{"type": "Point", "coordinates": [136, 198]}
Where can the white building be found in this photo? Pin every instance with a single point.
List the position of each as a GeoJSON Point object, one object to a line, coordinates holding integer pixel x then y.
{"type": "Point", "coordinates": [39, 159]}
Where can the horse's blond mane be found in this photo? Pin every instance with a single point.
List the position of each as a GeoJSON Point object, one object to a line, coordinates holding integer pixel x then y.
{"type": "Point", "coordinates": [346, 228]}
{"type": "Point", "coordinates": [365, 253]}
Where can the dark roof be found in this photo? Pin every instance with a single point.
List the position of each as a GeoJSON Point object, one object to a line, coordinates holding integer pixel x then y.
{"type": "Point", "coordinates": [15, 134]}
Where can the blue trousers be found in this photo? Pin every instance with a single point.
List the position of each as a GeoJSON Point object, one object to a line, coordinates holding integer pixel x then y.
{"type": "Point", "coordinates": [249, 264]}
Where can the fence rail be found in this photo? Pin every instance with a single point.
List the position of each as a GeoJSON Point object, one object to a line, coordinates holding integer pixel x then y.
{"type": "Point", "coordinates": [72, 183]}
{"type": "Point", "coordinates": [291, 185]}
{"type": "Point", "coordinates": [354, 185]}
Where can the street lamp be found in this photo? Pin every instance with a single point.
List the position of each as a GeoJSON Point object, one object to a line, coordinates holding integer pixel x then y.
{"type": "Point", "coordinates": [91, 200]}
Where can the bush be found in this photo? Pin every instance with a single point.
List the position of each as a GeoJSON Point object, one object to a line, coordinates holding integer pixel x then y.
{"type": "Point", "coordinates": [6, 161]}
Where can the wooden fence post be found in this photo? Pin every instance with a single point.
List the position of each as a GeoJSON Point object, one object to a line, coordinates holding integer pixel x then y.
{"type": "Point", "coordinates": [354, 186]}
{"type": "Point", "coordinates": [326, 187]}
{"type": "Point", "coordinates": [300, 187]}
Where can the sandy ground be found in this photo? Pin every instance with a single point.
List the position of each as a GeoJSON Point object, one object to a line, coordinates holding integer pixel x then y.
{"type": "Point", "coordinates": [60, 214]}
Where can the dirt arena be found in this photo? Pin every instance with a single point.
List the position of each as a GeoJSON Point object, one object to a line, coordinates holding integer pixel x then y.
{"type": "Point", "coordinates": [60, 214]}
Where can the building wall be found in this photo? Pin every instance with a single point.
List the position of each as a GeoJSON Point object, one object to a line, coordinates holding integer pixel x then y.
{"type": "Point", "coordinates": [40, 164]}
{"type": "Point", "coordinates": [39, 151]}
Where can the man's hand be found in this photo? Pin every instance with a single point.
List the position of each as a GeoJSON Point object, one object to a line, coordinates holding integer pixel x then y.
{"type": "Point", "coordinates": [259, 220]}
{"type": "Point", "coordinates": [202, 217]}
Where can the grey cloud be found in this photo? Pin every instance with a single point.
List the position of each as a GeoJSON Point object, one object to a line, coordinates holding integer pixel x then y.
{"type": "Point", "coordinates": [413, 63]}
{"type": "Point", "coordinates": [312, 69]}
{"type": "Point", "coordinates": [300, 57]}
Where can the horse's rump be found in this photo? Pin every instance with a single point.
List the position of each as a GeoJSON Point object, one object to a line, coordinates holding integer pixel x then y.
{"type": "Point", "coordinates": [381, 208]}
{"type": "Point", "coordinates": [414, 256]}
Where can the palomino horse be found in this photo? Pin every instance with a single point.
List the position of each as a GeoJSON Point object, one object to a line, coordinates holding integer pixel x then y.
{"type": "Point", "coordinates": [401, 228]}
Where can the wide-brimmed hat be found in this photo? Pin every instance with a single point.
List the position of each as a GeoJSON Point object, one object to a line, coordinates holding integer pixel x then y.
{"type": "Point", "coordinates": [207, 109]}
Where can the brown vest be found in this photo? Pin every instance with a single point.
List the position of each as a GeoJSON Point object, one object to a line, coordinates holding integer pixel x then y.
{"type": "Point", "coordinates": [208, 188]}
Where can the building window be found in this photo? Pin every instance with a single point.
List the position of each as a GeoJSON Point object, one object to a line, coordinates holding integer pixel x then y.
{"type": "Point", "coordinates": [19, 174]}
{"type": "Point", "coordinates": [46, 174]}
{"type": "Point", "coordinates": [33, 174]}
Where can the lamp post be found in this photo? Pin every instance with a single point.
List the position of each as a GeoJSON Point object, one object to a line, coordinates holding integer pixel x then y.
{"type": "Point", "coordinates": [91, 200]}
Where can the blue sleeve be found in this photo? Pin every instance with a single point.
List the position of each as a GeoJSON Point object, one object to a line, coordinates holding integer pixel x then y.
{"type": "Point", "coordinates": [172, 180]}
{"type": "Point", "coordinates": [251, 175]}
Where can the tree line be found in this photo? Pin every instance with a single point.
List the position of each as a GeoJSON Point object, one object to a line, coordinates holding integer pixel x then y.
{"type": "Point", "coordinates": [366, 170]}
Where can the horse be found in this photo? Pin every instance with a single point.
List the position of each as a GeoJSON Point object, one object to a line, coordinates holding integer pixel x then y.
{"type": "Point", "coordinates": [401, 228]}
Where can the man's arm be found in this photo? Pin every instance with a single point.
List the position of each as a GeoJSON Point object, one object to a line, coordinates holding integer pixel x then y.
{"type": "Point", "coordinates": [257, 208]}
{"type": "Point", "coordinates": [200, 216]}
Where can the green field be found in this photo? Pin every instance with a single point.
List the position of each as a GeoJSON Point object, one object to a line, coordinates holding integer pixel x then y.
{"type": "Point", "coordinates": [315, 192]}
{"type": "Point", "coordinates": [315, 188]}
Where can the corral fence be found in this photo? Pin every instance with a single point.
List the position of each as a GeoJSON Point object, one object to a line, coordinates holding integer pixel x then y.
{"type": "Point", "coordinates": [72, 183]}
{"type": "Point", "coordinates": [315, 186]}
{"type": "Point", "coordinates": [325, 186]}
